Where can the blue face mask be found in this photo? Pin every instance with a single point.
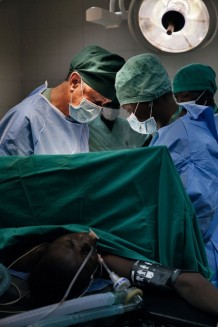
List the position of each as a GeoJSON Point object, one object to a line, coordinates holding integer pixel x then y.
{"type": "Point", "coordinates": [85, 112]}
{"type": "Point", "coordinates": [148, 126]}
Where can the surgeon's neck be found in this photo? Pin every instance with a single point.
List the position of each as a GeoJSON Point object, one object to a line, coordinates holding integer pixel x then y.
{"type": "Point", "coordinates": [108, 123]}
{"type": "Point", "coordinates": [60, 97]}
{"type": "Point", "coordinates": [166, 107]}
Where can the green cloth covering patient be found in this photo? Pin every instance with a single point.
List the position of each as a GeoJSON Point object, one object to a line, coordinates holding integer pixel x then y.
{"type": "Point", "coordinates": [133, 199]}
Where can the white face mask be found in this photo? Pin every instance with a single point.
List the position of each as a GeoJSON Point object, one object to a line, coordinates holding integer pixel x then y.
{"type": "Point", "coordinates": [86, 111]}
{"type": "Point", "coordinates": [148, 126]}
{"type": "Point", "coordinates": [110, 113]}
{"type": "Point", "coordinates": [186, 102]}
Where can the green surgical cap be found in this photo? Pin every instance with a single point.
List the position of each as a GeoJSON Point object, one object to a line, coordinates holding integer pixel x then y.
{"type": "Point", "coordinates": [98, 68]}
{"type": "Point", "coordinates": [142, 78]}
{"type": "Point", "coordinates": [195, 77]}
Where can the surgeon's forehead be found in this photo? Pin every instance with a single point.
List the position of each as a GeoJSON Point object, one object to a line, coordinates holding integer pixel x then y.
{"type": "Point", "coordinates": [132, 106]}
{"type": "Point", "coordinates": [96, 97]}
{"type": "Point", "coordinates": [186, 93]}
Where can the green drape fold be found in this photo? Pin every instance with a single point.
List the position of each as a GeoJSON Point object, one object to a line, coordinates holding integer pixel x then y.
{"type": "Point", "coordinates": [133, 199]}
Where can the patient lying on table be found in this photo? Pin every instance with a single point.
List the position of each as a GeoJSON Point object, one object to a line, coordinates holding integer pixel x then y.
{"type": "Point", "coordinates": [53, 266]}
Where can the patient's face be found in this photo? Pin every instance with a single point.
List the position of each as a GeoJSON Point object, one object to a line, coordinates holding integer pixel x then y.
{"type": "Point", "coordinates": [58, 266]}
{"type": "Point", "coordinates": [75, 247]}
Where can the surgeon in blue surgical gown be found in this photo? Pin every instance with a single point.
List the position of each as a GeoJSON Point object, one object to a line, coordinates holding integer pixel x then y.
{"type": "Point", "coordinates": [54, 120]}
{"type": "Point", "coordinates": [143, 89]}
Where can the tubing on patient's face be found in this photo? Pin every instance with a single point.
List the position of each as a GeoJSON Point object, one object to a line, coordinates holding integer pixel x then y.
{"type": "Point", "coordinates": [53, 274]}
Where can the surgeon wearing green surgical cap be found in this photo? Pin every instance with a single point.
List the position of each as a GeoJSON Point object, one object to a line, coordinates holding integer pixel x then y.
{"type": "Point", "coordinates": [143, 89]}
{"type": "Point", "coordinates": [53, 120]}
{"type": "Point", "coordinates": [195, 83]}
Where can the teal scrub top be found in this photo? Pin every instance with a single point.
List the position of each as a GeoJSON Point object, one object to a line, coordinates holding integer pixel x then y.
{"type": "Point", "coordinates": [122, 136]}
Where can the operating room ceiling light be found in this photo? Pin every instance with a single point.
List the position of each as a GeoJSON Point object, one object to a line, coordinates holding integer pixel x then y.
{"type": "Point", "coordinates": [108, 18]}
{"type": "Point", "coordinates": [173, 26]}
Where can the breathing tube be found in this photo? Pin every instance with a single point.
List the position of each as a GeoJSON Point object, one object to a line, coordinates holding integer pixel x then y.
{"type": "Point", "coordinates": [125, 299]}
{"type": "Point", "coordinates": [66, 308]}
{"type": "Point", "coordinates": [87, 308]}
{"type": "Point", "coordinates": [5, 279]}
{"type": "Point", "coordinates": [89, 315]}
{"type": "Point", "coordinates": [122, 284]}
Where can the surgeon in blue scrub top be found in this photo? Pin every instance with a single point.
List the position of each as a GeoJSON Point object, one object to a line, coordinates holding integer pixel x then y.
{"type": "Point", "coordinates": [144, 90]}
{"type": "Point", "coordinates": [54, 120]}
{"type": "Point", "coordinates": [195, 83]}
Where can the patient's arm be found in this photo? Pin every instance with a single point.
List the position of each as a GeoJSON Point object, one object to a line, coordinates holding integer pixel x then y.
{"type": "Point", "coordinates": [196, 289]}
{"type": "Point", "coordinates": [192, 287]}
